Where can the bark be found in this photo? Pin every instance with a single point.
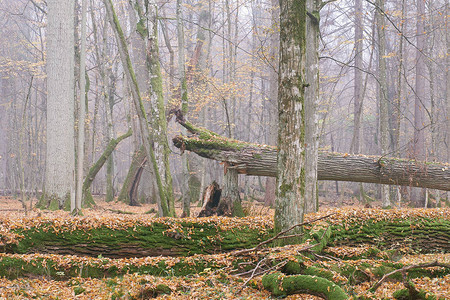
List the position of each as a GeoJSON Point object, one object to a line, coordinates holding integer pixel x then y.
{"type": "Point", "coordinates": [139, 180]}
{"type": "Point", "coordinates": [447, 86]}
{"type": "Point", "coordinates": [128, 193]}
{"type": "Point", "coordinates": [261, 160]}
{"type": "Point", "coordinates": [311, 104]}
{"type": "Point", "coordinates": [3, 133]}
{"type": "Point", "coordinates": [87, 196]}
{"type": "Point", "coordinates": [290, 167]}
{"type": "Point", "coordinates": [211, 199]}
{"type": "Point", "coordinates": [358, 101]}
{"type": "Point", "coordinates": [280, 285]}
{"type": "Point", "coordinates": [76, 207]}
{"type": "Point", "coordinates": [417, 197]}
{"type": "Point", "coordinates": [358, 95]}
{"type": "Point", "coordinates": [166, 238]}
{"type": "Point", "coordinates": [110, 236]}
{"type": "Point", "coordinates": [269, 197]}
{"type": "Point", "coordinates": [382, 93]}
{"type": "Point", "coordinates": [60, 169]}
{"type": "Point", "coordinates": [186, 199]}
{"type": "Point", "coordinates": [155, 142]}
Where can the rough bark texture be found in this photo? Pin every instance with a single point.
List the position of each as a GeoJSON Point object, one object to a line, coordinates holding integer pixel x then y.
{"type": "Point", "coordinates": [60, 168]}
{"type": "Point", "coordinates": [131, 237]}
{"type": "Point", "coordinates": [311, 104]}
{"type": "Point", "coordinates": [290, 167]}
{"type": "Point", "coordinates": [260, 160]}
{"type": "Point", "coordinates": [269, 197]}
{"type": "Point", "coordinates": [166, 238]}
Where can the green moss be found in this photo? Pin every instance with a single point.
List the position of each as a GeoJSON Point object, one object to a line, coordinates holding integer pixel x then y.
{"type": "Point", "coordinates": [238, 211]}
{"type": "Point", "coordinates": [189, 238]}
{"type": "Point", "coordinates": [285, 188]}
{"type": "Point", "coordinates": [78, 290]}
{"type": "Point", "coordinates": [419, 235]}
{"type": "Point", "coordinates": [280, 285]}
{"type": "Point", "coordinates": [405, 294]}
{"type": "Point", "coordinates": [141, 28]}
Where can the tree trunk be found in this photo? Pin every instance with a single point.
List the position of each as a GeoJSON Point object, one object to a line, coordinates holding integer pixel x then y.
{"type": "Point", "coordinates": [382, 93]}
{"type": "Point", "coordinates": [420, 96]}
{"type": "Point", "coordinates": [269, 197]}
{"type": "Point", "coordinates": [186, 197]}
{"type": "Point", "coordinates": [60, 168]}
{"type": "Point", "coordinates": [81, 114]}
{"type": "Point", "coordinates": [311, 104]}
{"type": "Point", "coordinates": [3, 133]}
{"type": "Point", "coordinates": [261, 160]}
{"type": "Point", "coordinates": [128, 193]}
{"type": "Point", "coordinates": [447, 86]}
{"type": "Point", "coordinates": [155, 138]}
{"type": "Point", "coordinates": [422, 231]}
{"type": "Point", "coordinates": [290, 167]}
{"type": "Point", "coordinates": [87, 196]}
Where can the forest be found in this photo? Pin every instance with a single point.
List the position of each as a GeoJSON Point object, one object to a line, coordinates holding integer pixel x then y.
{"type": "Point", "coordinates": [224, 149]}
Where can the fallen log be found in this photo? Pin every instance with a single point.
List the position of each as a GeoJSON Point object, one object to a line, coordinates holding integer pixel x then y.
{"type": "Point", "coordinates": [125, 236]}
{"type": "Point", "coordinates": [261, 160]}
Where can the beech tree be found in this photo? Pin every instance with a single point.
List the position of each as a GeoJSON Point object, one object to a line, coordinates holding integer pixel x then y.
{"type": "Point", "coordinates": [60, 163]}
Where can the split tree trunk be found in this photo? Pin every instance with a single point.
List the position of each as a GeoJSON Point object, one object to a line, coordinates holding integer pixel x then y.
{"type": "Point", "coordinates": [261, 160]}
{"type": "Point", "coordinates": [87, 196]}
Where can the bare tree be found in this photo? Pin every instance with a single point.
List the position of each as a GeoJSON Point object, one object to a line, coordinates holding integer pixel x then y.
{"type": "Point", "coordinates": [60, 169]}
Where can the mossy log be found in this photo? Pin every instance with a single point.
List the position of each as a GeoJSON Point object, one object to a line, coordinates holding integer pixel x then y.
{"type": "Point", "coordinates": [62, 267]}
{"type": "Point", "coordinates": [422, 235]}
{"type": "Point", "coordinates": [125, 237]}
{"type": "Point", "coordinates": [281, 285]}
{"type": "Point", "coordinates": [87, 196]}
{"type": "Point", "coordinates": [260, 160]}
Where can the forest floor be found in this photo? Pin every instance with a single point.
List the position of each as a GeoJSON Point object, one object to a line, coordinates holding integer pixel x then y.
{"type": "Point", "coordinates": [207, 284]}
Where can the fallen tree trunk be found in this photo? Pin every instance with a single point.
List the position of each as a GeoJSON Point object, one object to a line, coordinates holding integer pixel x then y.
{"type": "Point", "coordinates": [124, 236]}
{"type": "Point", "coordinates": [261, 160]}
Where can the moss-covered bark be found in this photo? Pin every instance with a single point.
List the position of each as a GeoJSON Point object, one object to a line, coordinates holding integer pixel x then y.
{"type": "Point", "coordinates": [152, 137]}
{"type": "Point", "coordinates": [260, 160]}
{"type": "Point", "coordinates": [179, 239]}
{"type": "Point", "coordinates": [126, 237]}
{"type": "Point", "coordinates": [422, 235]}
{"type": "Point", "coordinates": [64, 267]}
{"type": "Point", "coordinates": [130, 185]}
{"type": "Point", "coordinates": [282, 285]}
{"type": "Point", "coordinates": [87, 196]}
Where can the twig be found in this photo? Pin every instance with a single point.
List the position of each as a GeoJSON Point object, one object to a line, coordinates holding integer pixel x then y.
{"type": "Point", "coordinates": [277, 266]}
{"type": "Point", "coordinates": [278, 236]}
{"type": "Point", "coordinates": [328, 257]}
{"type": "Point", "coordinates": [252, 275]}
{"type": "Point", "coordinates": [407, 268]}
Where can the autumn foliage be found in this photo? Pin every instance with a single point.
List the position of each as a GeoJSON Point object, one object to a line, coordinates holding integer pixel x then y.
{"type": "Point", "coordinates": [351, 252]}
